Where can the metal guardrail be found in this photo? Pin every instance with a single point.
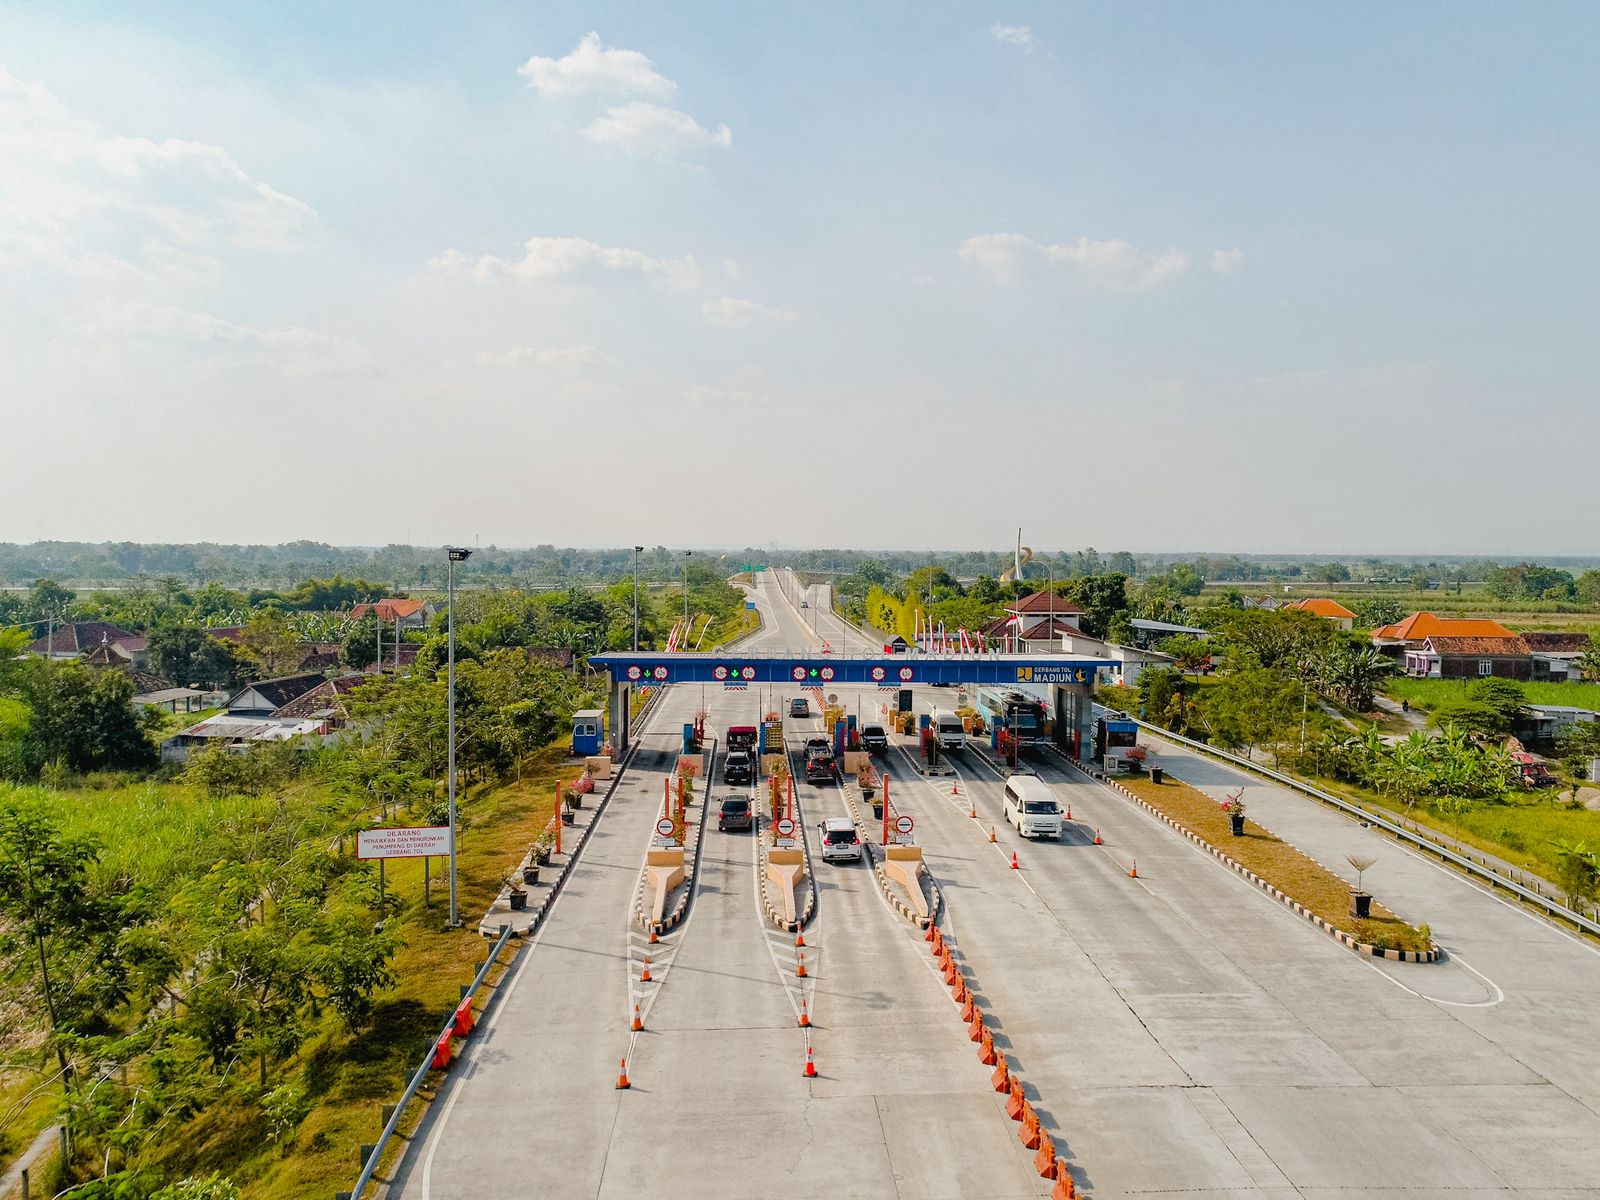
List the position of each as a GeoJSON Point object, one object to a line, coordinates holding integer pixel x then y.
{"type": "Point", "coordinates": [371, 1165]}
{"type": "Point", "coordinates": [1400, 832]}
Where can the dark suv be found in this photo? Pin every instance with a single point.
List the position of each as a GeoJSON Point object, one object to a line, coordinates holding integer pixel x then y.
{"type": "Point", "coordinates": [873, 739]}
{"type": "Point", "coordinates": [737, 768]}
{"type": "Point", "coordinates": [735, 813]}
{"type": "Point", "coordinates": [799, 707]}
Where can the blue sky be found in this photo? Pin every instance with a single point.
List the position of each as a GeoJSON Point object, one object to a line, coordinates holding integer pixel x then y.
{"type": "Point", "coordinates": [1148, 276]}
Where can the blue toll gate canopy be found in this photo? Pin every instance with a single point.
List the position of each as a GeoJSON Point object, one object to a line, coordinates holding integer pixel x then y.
{"type": "Point", "coordinates": [886, 670]}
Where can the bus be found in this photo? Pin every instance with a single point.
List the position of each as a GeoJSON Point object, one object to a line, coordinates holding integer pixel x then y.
{"type": "Point", "coordinates": [1017, 712]}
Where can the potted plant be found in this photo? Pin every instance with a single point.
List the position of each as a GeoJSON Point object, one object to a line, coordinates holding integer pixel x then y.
{"type": "Point", "coordinates": [1233, 806]}
{"type": "Point", "coordinates": [530, 872]}
{"type": "Point", "coordinates": [1360, 899]}
{"type": "Point", "coordinates": [1135, 757]}
{"type": "Point", "coordinates": [542, 846]}
{"type": "Point", "coordinates": [516, 893]}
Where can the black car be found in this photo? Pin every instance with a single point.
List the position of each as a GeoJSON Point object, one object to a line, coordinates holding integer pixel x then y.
{"type": "Point", "coordinates": [737, 767]}
{"type": "Point", "coordinates": [799, 707]}
{"type": "Point", "coordinates": [873, 739]}
{"type": "Point", "coordinates": [734, 813]}
{"type": "Point", "coordinates": [819, 767]}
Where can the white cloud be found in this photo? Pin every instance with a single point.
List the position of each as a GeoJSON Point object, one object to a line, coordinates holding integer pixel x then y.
{"type": "Point", "coordinates": [568, 257]}
{"type": "Point", "coordinates": [1226, 262]}
{"type": "Point", "coordinates": [730, 312]}
{"type": "Point", "coordinates": [575, 355]}
{"type": "Point", "coordinates": [591, 68]}
{"type": "Point", "coordinates": [1112, 265]}
{"type": "Point", "coordinates": [1014, 35]}
{"type": "Point", "coordinates": [92, 202]}
{"type": "Point", "coordinates": [643, 128]}
{"type": "Point", "coordinates": [292, 349]}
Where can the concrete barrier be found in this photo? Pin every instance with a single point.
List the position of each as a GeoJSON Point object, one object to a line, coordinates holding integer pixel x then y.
{"type": "Point", "coordinates": [904, 865]}
{"type": "Point", "coordinates": [785, 871]}
{"type": "Point", "coordinates": [664, 869]}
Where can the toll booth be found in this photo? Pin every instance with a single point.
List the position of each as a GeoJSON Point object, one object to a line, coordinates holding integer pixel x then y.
{"type": "Point", "coordinates": [588, 731]}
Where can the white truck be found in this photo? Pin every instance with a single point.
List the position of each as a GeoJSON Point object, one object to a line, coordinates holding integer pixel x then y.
{"type": "Point", "coordinates": [948, 729]}
{"type": "Point", "coordinates": [1030, 807]}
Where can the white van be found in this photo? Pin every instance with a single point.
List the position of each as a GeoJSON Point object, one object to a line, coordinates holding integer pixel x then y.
{"type": "Point", "coordinates": [947, 728]}
{"type": "Point", "coordinates": [1031, 807]}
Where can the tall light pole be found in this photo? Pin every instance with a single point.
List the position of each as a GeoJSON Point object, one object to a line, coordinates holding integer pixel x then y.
{"type": "Point", "coordinates": [637, 550]}
{"type": "Point", "coordinates": [686, 555]}
{"type": "Point", "coordinates": [454, 554]}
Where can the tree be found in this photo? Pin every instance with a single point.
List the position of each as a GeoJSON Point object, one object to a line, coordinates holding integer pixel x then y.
{"type": "Point", "coordinates": [358, 649]}
{"type": "Point", "coordinates": [1252, 707]}
{"type": "Point", "coordinates": [187, 655]}
{"type": "Point", "coordinates": [1589, 663]}
{"type": "Point", "coordinates": [1476, 719]}
{"type": "Point", "coordinates": [1103, 599]}
{"type": "Point", "coordinates": [1376, 611]}
{"type": "Point", "coordinates": [985, 590]}
{"type": "Point", "coordinates": [48, 600]}
{"type": "Point", "coordinates": [70, 927]}
{"type": "Point", "coordinates": [1188, 654]}
{"type": "Point", "coordinates": [1161, 698]}
{"type": "Point", "coordinates": [1333, 572]}
{"type": "Point", "coordinates": [268, 645]}
{"type": "Point", "coordinates": [1577, 871]}
{"type": "Point", "coordinates": [1507, 699]}
{"type": "Point", "coordinates": [83, 718]}
{"type": "Point", "coordinates": [1587, 587]}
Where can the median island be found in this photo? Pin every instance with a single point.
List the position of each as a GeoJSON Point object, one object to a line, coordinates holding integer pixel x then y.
{"type": "Point", "coordinates": [1276, 862]}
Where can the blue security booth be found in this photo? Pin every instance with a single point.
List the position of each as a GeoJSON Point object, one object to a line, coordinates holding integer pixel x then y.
{"type": "Point", "coordinates": [588, 731]}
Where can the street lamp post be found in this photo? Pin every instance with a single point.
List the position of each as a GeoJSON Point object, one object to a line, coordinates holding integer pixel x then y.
{"type": "Point", "coordinates": [686, 554]}
{"type": "Point", "coordinates": [637, 550]}
{"type": "Point", "coordinates": [454, 554]}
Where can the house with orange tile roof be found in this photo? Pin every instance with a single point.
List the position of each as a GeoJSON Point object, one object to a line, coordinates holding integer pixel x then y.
{"type": "Point", "coordinates": [1443, 657]}
{"type": "Point", "coordinates": [1418, 627]}
{"type": "Point", "coordinates": [1328, 610]}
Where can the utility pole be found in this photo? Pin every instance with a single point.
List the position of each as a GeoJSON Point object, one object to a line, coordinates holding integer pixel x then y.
{"type": "Point", "coordinates": [454, 554]}
{"type": "Point", "coordinates": [686, 555]}
{"type": "Point", "coordinates": [637, 550]}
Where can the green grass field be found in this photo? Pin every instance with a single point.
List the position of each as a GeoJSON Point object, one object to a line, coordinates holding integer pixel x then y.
{"type": "Point", "coordinates": [1427, 693]}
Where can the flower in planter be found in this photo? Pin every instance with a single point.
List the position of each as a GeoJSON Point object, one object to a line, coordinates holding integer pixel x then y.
{"type": "Point", "coordinates": [1135, 754]}
{"type": "Point", "coordinates": [1233, 806]}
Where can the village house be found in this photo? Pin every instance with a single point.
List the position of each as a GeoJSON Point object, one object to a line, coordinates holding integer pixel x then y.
{"type": "Point", "coordinates": [1328, 610]}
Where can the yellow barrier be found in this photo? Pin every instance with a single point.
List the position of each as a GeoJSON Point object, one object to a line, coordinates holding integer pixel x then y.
{"type": "Point", "coordinates": [903, 864]}
{"type": "Point", "coordinates": [664, 869]}
{"type": "Point", "coordinates": [785, 870]}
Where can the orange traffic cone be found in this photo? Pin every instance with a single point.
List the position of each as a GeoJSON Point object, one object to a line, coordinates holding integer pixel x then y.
{"type": "Point", "coordinates": [654, 937]}
{"type": "Point", "coordinates": [992, 838]}
{"type": "Point", "coordinates": [805, 1017]}
{"type": "Point", "coordinates": [987, 1054]}
{"type": "Point", "coordinates": [644, 975]}
{"type": "Point", "coordinates": [799, 938]}
{"type": "Point", "coordinates": [955, 789]}
{"type": "Point", "coordinates": [951, 974]}
{"type": "Point", "coordinates": [1065, 1189]}
{"type": "Point", "coordinates": [1044, 1162]}
{"type": "Point", "coordinates": [638, 1022]}
{"type": "Point", "coordinates": [961, 991]}
{"type": "Point", "coordinates": [977, 1032]}
{"type": "Point", "coordinates": [1069, 811]}
{"type": "Point", "coordinates": [1001, 1079]}
{"type": "Point", "coordinates": [1015, 866]}
{"type": "Point", "coordinates": [1097, 837]}
{"type": "Point", "coordinates": [1133, 871]}
{"type": "Point", "coordinates": [622, 1076]}
{"type": "Point", "coordinates": [1030, 1133]}
{"type": "Point", "coordinates": [811, 1067]}
{"type": "Point", "coordinates": [1015, 1104]}
{"type": "Point", "coordinates": [967, 1010]}
{"type": "Point", "coordinates": [974, 813]}
{"type": "Point", "coordinates": [800, 964]}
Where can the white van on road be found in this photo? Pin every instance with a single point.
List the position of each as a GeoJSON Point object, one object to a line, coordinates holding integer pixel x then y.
{"type": "Point", "coordinates": [1030, 806]}
{"type": "Point", "coordinates": [947, 728]}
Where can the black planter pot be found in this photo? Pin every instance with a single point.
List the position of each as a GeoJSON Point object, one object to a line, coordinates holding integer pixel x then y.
{"type": "Point", "coordinates": [541, 856]}
{"type": "Point", "coordinates": [530, 873]}
{"type": "Point", "coordinates": [1156, 774]}
{"type": "Point", "coordinates": [574, 800]}
{"type": "Point", "coordinates": [519, 901]}
{"type": "Point", "coordinates": [568, 817]}
{"type": "Point", "coordinates": [1238, 825]}
{"type": "Point", "coordinates": [877, 812]}
{"type": "Point", "coordinates": [1361, 905]}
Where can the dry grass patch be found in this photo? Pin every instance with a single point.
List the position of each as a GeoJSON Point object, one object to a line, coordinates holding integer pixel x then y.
{"type": "Point", "coordinates": [1276, 861]}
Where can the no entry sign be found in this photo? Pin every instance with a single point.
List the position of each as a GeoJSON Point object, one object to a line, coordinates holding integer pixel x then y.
{"type": "Point", "coordinates": [785, 827]}
{"type": "Point", "coordinates": [904, 824]}
{"type": "Point", "coordinates": [665, 827]}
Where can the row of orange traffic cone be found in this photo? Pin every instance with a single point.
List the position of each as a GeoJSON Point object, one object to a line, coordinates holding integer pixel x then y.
{"type": "Point", "coordinates": [1017, 1105]}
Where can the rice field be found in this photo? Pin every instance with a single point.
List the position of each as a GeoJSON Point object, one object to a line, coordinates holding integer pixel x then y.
{"type": "Point", "coordinates": [1428, 693]}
